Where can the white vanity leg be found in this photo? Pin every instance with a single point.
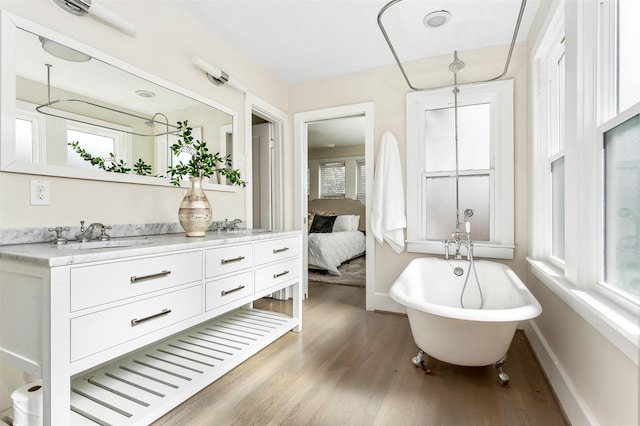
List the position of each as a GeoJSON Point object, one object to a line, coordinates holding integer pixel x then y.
{"type": "Point", "coordinates": [56, 347]}
{"type": "Point", "coordinates": [297, 305]}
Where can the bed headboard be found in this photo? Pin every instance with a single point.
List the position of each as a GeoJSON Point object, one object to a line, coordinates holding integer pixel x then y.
{"type": "Point", "coordinates": [340, 206]}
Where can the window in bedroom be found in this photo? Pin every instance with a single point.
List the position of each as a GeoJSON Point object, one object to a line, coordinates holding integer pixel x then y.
{"type": "Point", "coordinates": [332, 179]}
{"type": "Point", "coordinates": [485, 165]}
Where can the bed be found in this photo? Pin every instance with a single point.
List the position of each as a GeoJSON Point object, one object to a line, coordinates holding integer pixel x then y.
{"type": "Point", "coordinates": [336, 233]}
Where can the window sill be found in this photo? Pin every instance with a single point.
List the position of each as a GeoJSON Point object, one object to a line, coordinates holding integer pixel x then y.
{"type": "Point", "coordinates": [619, 325]}
{"type": "Point", "coordinates": [486, 250]}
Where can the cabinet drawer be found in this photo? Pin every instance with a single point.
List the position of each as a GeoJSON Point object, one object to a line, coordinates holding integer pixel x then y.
{"type": "Point", "coordinates": [278, 273]}
{"type": "Point", "coordinates": [105, 329]}
{"type": "Point", "coordinates": [98, 284]}
{"type": "Point", "coordinates": [226, 290]}
{"type": "Point", "coordinates": [274, 250]}
{"type": "Point", "coordinates": [223, 260]}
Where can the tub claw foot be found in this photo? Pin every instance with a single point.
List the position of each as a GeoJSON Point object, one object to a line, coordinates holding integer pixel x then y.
{"type": "Point", "coordinates": [420, 360]}
{"type": "Point", "coordinates": [417, 360]}
{"type": "Point", "coordinates": [502, 376]}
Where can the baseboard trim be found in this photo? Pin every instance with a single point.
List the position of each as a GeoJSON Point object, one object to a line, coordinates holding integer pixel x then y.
{"type": "Point", "coordinates": [384, 302]}
{"type": "Point", "coordinates": [575, 408]}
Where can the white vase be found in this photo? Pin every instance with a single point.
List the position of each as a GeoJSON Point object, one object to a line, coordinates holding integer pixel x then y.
{"type": "Point", "coordinates": [195, 213]}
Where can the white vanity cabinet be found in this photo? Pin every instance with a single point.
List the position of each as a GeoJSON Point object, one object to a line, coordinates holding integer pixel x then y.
{"type": "Point", "coordinates": [121, 336]}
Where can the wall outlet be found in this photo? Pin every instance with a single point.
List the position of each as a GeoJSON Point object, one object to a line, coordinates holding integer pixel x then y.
{"type": "Point", "coordinates": [40, 195]}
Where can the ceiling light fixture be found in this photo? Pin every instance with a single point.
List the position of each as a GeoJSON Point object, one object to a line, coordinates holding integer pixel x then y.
{"type": "Point", "coordinates": [145, 93]}
{"type": "Point", "coordinates": [436, 19]}
{"type": "Point", "coordinates": [63, 52]}
{"type": "Point", "coordinates": [94, 8]}
{"type": "Point", "coordinates": [216, 75]}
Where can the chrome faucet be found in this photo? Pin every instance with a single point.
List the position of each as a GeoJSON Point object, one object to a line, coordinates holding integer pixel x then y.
{"type": "Point", "coordinates": [231, 226]}
{"type": "Point", "coordinates": [457, 242]}
{"type": "Point", "coordinates": [86, 234]}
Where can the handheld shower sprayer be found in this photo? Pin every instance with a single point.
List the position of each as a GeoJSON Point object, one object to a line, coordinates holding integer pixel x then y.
{"type": "Point", "coordinates": [467, 225]}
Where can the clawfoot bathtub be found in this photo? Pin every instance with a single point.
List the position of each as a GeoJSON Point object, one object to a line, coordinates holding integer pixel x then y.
{"type": "Point", "coordinates": [478, 334]}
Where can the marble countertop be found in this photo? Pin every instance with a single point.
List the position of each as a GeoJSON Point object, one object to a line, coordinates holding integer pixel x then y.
{"type": "Point", "coordinates": [45, 254]}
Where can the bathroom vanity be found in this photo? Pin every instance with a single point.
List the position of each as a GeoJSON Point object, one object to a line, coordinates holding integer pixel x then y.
{"type": "Point", "coordinates": [123, 331]}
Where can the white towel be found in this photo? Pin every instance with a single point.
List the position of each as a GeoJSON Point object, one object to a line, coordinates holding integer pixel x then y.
{"type": "Point", "coordinates": [388, 218]}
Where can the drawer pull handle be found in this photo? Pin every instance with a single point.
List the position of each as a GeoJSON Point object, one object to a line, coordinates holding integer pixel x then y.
{"type": "Point", "coordinates": [150, 276]}
{"type": "Point", "coordinates": [280, 274]}
{"type": "Point", "coordinates": [280, 250]}
{"type": "Point", "coordinates": [225, 292]}
{"type": "Point", "coordinates": [137, 321]}
{"type": "Point", "coordinates": [235, 259]}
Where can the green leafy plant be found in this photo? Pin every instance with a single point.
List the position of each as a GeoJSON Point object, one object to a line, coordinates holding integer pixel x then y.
{"type": "Point", "coordinates": [202, 163]}
{"type": "Point", "coordinates": [110, 163]}
{"type": "Point", "coordinates": [142, 168]}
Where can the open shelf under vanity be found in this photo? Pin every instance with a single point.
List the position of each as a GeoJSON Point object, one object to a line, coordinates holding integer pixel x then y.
{"type": "Point", "coordinates": [133, 390]}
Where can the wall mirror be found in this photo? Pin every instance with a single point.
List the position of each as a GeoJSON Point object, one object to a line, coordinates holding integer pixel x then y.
{"type": "Point", "coordinates": [64, 104]}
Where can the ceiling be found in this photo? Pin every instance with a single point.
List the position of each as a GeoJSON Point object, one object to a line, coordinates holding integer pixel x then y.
{"type": "Point", "coordinates": [345, 131]}
{"type": "Point", "coordinates": [301, 40]}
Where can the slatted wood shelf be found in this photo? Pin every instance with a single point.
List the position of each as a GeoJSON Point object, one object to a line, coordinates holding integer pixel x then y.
{"type": "Point", "coordinates": [142, 387]}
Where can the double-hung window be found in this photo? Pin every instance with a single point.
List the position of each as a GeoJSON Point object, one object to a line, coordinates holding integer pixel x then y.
{"type": "Point", "coordinates": [549, 149]}
{"type": "Point", "coordinates": [619, 145]}
{"type": "Point", "coordinates": [585, 162]}
{"type": "Point", "coordinates": [484, 182]}
{"type": "Point", "coordinates": [332, 179]}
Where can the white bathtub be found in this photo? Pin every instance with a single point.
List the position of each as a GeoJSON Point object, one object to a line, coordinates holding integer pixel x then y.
{"type": "Point", "coordinates": [442, 329]}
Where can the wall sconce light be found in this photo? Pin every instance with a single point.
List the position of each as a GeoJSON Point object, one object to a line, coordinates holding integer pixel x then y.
{"type": "Point", "coordinates": [216, 75]}
{"type": "Point", "coordinates": [94, 8]}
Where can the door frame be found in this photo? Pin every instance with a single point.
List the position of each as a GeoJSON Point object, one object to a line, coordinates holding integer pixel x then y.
{"type": "Point", "coordinates": [257, 106]}
{"type": "Point", "coordinates": [301, 146]}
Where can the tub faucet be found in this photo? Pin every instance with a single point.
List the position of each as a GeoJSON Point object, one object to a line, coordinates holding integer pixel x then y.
{"type": "Point", "coordinates": [456, 242]}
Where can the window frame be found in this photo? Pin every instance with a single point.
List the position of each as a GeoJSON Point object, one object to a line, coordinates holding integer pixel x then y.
{"type": "Point", "coordinates": [546, 145]}
{"type": "Point", "coordinates": [499, 95]}
{"type": "Point", "coordinates": [589, 72]}
{"type": "Point", "coordinates": [26, 111]}
{"type": "Point", "coordinates": [121, 140]}
{"type": "Point", "coordinates": [361, 186]}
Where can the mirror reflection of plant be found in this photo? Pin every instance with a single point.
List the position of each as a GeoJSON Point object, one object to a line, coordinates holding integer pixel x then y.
{"type": "Point", "coordinates": [202, 163]}
{"type": "Point", "coordinates": [110, 163]}
{"type": "Point", "coordinates": [142, 168]}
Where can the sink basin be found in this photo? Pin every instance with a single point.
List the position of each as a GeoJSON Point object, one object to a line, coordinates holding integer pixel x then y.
{"type": "Point", "coordinates": [92, 245]}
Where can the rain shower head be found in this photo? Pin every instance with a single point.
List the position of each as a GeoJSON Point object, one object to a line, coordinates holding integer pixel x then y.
{"type": "Point", "coordinates": [457, 65]}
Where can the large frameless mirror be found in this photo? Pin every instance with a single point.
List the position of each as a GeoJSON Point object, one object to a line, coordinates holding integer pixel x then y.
{"type": "Point", "coordinates": [68, 110]}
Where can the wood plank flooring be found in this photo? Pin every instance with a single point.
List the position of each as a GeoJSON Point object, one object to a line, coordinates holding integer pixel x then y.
{"type": "Point", "coordinates": [353, 367]}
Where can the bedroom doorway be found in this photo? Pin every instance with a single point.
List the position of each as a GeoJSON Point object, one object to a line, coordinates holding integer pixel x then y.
{"type": "Point", "coordinates": [334, 146]}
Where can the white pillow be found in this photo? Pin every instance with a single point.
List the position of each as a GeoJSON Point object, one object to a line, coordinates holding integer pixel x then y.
{"type": "Point", "coordinates": [343, 223]}
{"type": "Point", "coordinates": [356, 222]}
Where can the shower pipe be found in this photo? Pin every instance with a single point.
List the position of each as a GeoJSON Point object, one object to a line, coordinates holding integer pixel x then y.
{"type": "Point", "coordinates": [149, 122]}
{"type": "Point", "coordinates": [404, 74]}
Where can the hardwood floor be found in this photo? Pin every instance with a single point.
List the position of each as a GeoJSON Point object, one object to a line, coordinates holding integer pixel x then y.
{"type": "Point", "coordinates": [353, 367]}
